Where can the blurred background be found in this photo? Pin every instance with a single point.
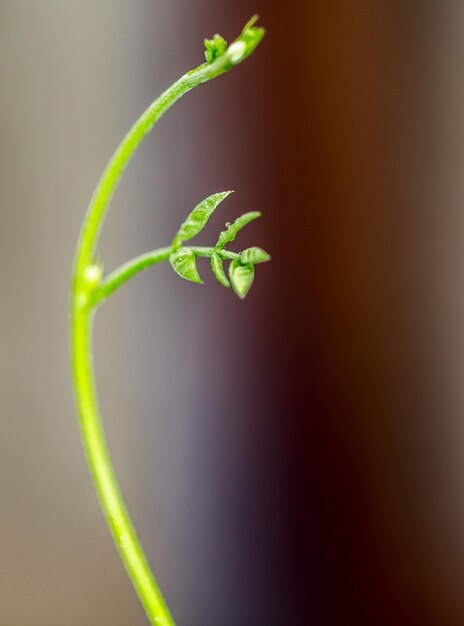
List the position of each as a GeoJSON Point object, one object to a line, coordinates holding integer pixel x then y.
{"type": "Point", "coordinates": [296, 458]}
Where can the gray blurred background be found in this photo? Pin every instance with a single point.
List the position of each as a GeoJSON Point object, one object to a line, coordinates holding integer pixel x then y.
{"type": "Point", "coordinates": [296, 458]}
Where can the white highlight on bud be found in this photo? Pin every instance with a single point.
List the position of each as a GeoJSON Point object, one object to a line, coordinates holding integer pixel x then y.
{"type": "Point", "coordinates": [236, 51]}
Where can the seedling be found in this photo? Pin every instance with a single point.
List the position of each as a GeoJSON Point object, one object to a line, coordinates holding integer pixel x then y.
{"type": "Point", "coordinates": [90, 289]}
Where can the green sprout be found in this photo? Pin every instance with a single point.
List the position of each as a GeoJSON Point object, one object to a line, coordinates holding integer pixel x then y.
{"type": "Point", "coordinates": [90, 288]}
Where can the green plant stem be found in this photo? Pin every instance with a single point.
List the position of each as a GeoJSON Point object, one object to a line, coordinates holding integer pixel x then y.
{"type": "Point", "coordinates": [124, 273]}
{"type": "Point", "coordinates": [93, 220]}
{"type": "Point", "coordinates": [104, 478]}
{"type": "Point", "coordinates": [84, 286]}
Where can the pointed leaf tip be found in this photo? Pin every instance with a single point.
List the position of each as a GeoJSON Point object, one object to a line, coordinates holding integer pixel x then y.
{"type": "Point", "coordinates": [250, 36]}
{"type": "Point", "coordinates": [184, 263]}
{"type": "Point", "coordinates": [198, 218]}
{"type": "Point", "coordinates": [241, 277]}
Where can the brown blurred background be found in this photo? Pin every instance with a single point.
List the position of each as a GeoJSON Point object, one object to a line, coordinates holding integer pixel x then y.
{"type": "Point", "coordinates": [297, 458]}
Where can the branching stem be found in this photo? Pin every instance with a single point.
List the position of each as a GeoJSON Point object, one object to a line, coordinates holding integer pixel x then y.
{"type": "Point", "coordinates": [139, 263]}
{"type": "Point", "coordinates": [88, 290]}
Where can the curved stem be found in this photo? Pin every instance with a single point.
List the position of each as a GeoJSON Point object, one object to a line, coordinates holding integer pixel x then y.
{"type": "Point", "coordinates": [95, 215]}
{"type": "Point", "coordinates": [127, 271]}
{"type": "Point", "coordinates": [103, 475]}
{"type": "Point", "coordinates": [85, 285]}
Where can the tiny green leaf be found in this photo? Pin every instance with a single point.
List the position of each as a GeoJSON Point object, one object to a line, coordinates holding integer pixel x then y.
{"type": "Point", "coordinates": [254, 255]}
{"type": "Point", "coordinates": [183, 262]}
{"type": "Point", "coordinates": [241, 277]}
{"type": "Point", "coordinates": [229, 235]}
{"type": "Point", "coordinates": [218, 270]}
{"type": "Point", "coordinates": [214, 48]}
{"type": "Point", "coordinates": [198, 218]}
